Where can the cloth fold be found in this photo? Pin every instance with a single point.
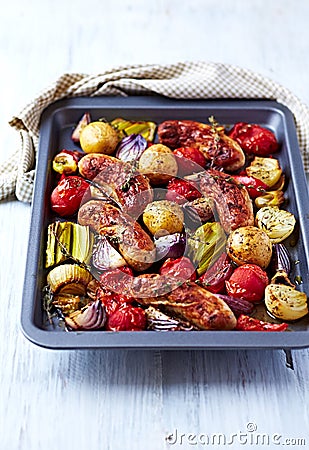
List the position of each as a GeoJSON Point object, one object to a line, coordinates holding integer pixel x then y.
{"type": "Point", "coordinates": [180, 80]}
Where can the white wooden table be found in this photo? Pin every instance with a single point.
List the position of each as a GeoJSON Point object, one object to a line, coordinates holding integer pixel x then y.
{"type": "Point", "coordinates": [123, 400]}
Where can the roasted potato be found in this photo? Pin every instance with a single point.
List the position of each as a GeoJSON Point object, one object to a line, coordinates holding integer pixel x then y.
{"type": "Point", "coordinates": [99, 137]}
{"type": "Point", "coordinates": [249, 245]}
{"type": "Point", "coordinates": [163, 217]}
{"type": "Point", "coordinates": [158, 163]}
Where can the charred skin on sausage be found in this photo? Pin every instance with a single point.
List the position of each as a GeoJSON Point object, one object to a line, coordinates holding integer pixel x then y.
{"type": "Point", "coordinates": [231, 199]}
{"type": "Point", "coordinates": [219, 149]}
{"type": "Point", "coordinates": [133, 242]}
{"type": "Point", "coordinates": [184, 299]}
{"type": "Point", "coordinates": [124, 183]}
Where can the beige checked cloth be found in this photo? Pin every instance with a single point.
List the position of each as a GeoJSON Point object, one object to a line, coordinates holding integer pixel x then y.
{"type": "Point", "coordinates": [181, 80]}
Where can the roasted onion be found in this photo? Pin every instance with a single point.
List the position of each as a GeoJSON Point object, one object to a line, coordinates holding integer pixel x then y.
{"type": "Point", "coordinates": [237, 305]}
{"type": "Point", "coordinates": [285, 302]}
{"type": "Point", "coordinates": [69, 279]}
{"type": "Point", "coordinates": [131, 147]}
{"type": "Point", "coordinates": [277, 223]}
{"type": "Point", "coordinates": [170, 246]}
{"type": "Point", "coordinates": [91, 317]}
{"type": "Point", "coordinates": [105, 256]}
{"type": "Point", "coordinates": [280, 260]}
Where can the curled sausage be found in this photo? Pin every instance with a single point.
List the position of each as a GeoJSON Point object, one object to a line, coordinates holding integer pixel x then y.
{"type": "Point", "coordinates": [121, 180]}
{"type": "Point", "coordinates": [133, 242]}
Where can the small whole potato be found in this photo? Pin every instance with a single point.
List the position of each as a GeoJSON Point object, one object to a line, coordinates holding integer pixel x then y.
{"type": "Point", "coordinates": [99, 137]}
{"type": "Point", "coordinates": [249, 245]}
{"type": "Point", "coordinates": [163, 217]}
{"type": "Point", "coordinates": [158, 163]}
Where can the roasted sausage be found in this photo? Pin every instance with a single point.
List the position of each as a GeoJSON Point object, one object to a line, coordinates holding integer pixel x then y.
{"type": "Point", "coordinates": [198, 211]}
{"type": "Point", "coordinates": [187, 301]}
{"type": "Point", "coordinates": [219, 149]}
{"type": "Point", "coordinates": [231, 199]}
{"type": "Point", "coordinates": [121, 180]}
{"type": "Point", "coordinates": [133, 242]}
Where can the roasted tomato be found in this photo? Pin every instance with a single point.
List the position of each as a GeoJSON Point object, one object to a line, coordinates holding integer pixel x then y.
{"type": "Point", "coordinates": [68, 194]}
{"type": "Point", "coordinates": [254, 139]}
{"type": "Point", "coordinates": [247, 323]}
{"type": "Point", "coordinates": [127, 318]}
{"type": "Point", "coordinates": [180, 191]}
{"type": "Point", "coordinates": [247, 282]}
{"type": "Point", "coordinates": [254, 186]}
{"type": "Point", "coordinates": [214, 278]}
{"type": "Point", "coordinates": [180, 268]}
{"type": "Point", "coordinates": [111, 300]}
{"type": "Point", "coordinates": [189, 159]}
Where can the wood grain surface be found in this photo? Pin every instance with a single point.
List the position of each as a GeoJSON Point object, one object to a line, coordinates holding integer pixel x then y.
{"type": "Point", "coordinates": [123, 400]}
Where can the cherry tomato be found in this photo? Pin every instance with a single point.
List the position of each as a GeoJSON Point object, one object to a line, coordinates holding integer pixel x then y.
{"type": "Point", "coordinates": [127, 318]}
{"type": "Point", "coordinates": [108, 299]}
{"type": "Point", "coordinates": [214, 278]}
{"type": "Point", "coordinates": [180, 191]}
{"type": "Point", "coordinates": [68, 194]}
{"type": "Point", "coordinates": [246, 323]}
{"type": "Point", "coordinates": [189, 159]}
{"type": "Point", "coordinates": [254, 139]}
{"type": "Point", "coordinates": [117, 280]}
{"type": "Point", "coordinates": [112, 300]}
{"type": "Point", "coordinates": [254, 186]}
{"type": "Point", "coordinates": [247, 282]}
{"type": "Point", "coordinates": [180, 268]}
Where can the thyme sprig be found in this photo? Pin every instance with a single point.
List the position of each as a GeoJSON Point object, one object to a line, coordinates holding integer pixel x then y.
{"type": "Point", "coordinates": [215, 133]}
{"type": "Point", "coordinates": [130, 175]}
{"type": "Point", "coordinates": [69, 255]}
{"type": "Point", "coordinates": [104, 193]}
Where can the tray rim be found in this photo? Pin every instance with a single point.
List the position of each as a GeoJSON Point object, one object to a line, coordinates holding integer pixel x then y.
{"type": "Point", "coordinates": [132, 340]}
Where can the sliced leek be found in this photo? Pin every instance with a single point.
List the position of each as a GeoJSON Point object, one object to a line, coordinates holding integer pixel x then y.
{"type": "Point", "coordinates": [127, 127]}
{"type": "Point", "coordinates": [68, 240]}
{"type": "Point", "coordinates": [82, 243]}
{"type": "Point", "coordinates": [63, 236]}
{"type": "Point", "coordinates": [206, 245]}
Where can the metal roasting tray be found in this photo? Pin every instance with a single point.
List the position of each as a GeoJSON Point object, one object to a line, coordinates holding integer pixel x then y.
{"type": "Point", "coordinates": [57, 123]}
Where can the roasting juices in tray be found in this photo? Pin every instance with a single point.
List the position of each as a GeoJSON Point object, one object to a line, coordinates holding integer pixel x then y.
{"type": "Point", "coordinates": [172, 226]}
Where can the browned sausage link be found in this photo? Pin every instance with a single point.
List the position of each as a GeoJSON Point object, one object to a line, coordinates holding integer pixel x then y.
{"type": "Point", "coordinates": [219, 149]}
{"type": "Point", "coordinates": [232, 200]}
{"type": "Point", "coordinates": [199, 210]}
{"type": "Point", "coordinates": [131, 189]}
{"type": "Point", "coordinates": [91, 165]}
{"type": "Point", "coordinates": [99, 215]}
{"type": "Point", "coordinates": [187, 301]}
{"type": "Point", "coordinates": [183, 133]}
{"type": "Point", "coordinates": [135, 245]}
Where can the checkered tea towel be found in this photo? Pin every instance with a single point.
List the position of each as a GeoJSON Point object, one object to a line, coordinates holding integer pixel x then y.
{"type": "Point", "coordinates": [180, 80]}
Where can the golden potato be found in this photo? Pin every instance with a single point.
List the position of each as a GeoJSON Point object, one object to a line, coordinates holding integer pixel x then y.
{"type": "Point", "coordinates": [99, 137]}
{"type": "Point", "coordinates": [249, 245]}
{"type": "Point", "coordinates": [163, 217]}
{"type": "Point", "coordinates": [158, 163]}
